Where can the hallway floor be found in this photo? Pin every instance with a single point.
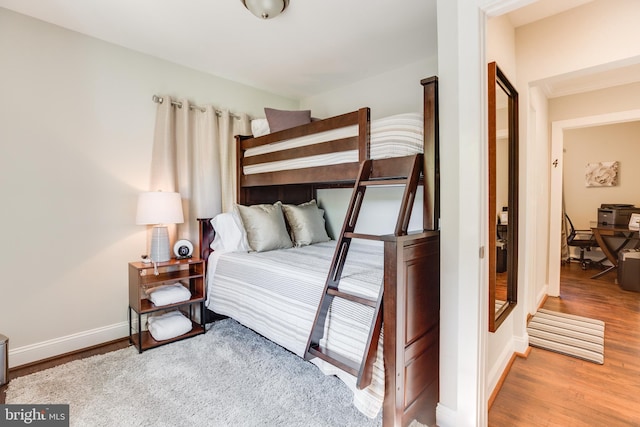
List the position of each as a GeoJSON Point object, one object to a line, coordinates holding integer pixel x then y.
{"type": "Point", "coordinates": [550, 389]}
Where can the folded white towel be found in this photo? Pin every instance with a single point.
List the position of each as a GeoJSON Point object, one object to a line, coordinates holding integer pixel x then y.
{"type": "Point", "coordinates": [168, 294]}
{"type": "Point", "coordinates": [168, 325]}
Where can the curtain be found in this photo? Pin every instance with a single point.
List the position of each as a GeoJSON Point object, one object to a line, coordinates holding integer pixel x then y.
{"type": "Point", "coordinates": [194, 154]}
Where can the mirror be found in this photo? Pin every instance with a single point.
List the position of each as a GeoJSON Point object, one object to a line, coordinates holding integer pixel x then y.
{"type": "Point", "coordinates": [503, 196]}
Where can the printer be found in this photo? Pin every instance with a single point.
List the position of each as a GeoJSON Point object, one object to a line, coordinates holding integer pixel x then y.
{"type": "Point", "coordinates": [616, 214]}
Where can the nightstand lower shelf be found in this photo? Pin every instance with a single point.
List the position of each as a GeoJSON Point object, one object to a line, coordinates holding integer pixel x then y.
{"type": "Point", "coordinates": [148, 341]}
{"type": "Point", "coordinates": [143, 340]}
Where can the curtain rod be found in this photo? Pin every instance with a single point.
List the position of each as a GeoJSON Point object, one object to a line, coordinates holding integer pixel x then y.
{"type": "Point", "coordinates": [158, 100]}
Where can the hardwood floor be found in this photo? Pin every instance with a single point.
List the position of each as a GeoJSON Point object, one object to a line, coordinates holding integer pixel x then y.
{"type": "Point", "coordinates": [59, 360]}
{"type": "Point", "coordinates": [550, 389]}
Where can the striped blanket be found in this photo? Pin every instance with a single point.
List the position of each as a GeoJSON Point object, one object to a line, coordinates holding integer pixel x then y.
{"type": "Point", "coordinates": [276, 293]}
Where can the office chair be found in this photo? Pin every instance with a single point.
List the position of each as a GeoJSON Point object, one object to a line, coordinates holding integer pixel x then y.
{"type": "Point", "coordinates": [582, 239]}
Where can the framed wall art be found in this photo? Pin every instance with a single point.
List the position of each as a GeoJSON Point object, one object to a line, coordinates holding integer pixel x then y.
{"type": "Point", "coordinates": [601, 174]}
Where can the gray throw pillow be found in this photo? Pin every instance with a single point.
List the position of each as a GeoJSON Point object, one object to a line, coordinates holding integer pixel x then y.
{"type": "Point", "coordinates": [282, 119]}
{"type": "Point", "coordinates": [306, 222]}
{"type": "Point", "coordinates": [265, 227]}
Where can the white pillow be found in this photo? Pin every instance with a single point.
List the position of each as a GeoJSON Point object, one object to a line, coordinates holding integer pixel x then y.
{"type": "Point", "coordinates": [306, 222]}
{"type": "Point", "coordinates": [265, 227]}
{"type": "Point", "coordinates": [260, 127]}
{"type": "Point", "coordinates": [230, 234]}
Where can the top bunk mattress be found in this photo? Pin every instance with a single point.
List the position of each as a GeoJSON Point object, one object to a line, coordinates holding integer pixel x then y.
{"type": "Point", "coordinates": [393, 136]}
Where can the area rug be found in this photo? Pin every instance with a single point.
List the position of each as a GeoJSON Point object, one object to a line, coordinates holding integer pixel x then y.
{"type": "Point", "coordinates": [229, 376]}
{"type": "Point", "coordinates": [568, 334]}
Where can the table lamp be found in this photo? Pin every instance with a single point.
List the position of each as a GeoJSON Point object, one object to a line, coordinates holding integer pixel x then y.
{"type": "Point", "coordinates": [159, 208]}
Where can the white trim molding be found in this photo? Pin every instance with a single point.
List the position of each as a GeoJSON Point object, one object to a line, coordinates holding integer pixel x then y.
{"type": "Point", "coordinates": [500, 7]}
{"type": "Point", "coordinates": [57, 346]}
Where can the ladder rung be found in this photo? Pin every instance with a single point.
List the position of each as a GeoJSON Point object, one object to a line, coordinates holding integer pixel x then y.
{"type": "Point", "coordinates": [351, 297]}
{"type": "Point", "coordinates": [363, 236]}
{"type": "Point", "coordinates": [399, 181]}
{"type": "Point", "coordinates": [350, 366]}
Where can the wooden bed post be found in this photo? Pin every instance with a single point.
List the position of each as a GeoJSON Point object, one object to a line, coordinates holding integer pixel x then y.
{"type": "Point", "coordinates": [431, 215]}
{"type": "Point", "coordinates": [364, 132]}
{"type": "Point", "coordinates": [411, 324]}
{"type": "Point", "coordinates": [238, 164]}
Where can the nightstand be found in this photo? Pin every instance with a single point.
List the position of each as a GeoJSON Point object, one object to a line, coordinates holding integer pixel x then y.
{"type": "Point", "coordinates": [142, 276]}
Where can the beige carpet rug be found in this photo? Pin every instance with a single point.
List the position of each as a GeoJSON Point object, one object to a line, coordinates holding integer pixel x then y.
{"type": "Point", "coordinates": [229, 376]}
{"type": "Point", "coordinates": [568, 334]}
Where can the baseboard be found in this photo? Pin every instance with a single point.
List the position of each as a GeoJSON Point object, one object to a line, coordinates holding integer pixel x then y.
{"type": "Point", "coordinates": [500, 381]}
{"type": "Point", "coordinates": [521, 344]}
{"type": "Point", "coordinates": [499, 369]}
{"type": "Point", "coordinates": [57, 346]}
{"type": "Point", "coordinates": [542, 295]}
{"type": "Point", "coordinates": [498, 373]}
{"type": "Point", "coordinates": [446, 417]}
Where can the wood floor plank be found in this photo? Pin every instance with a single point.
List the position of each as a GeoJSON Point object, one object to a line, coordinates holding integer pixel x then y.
{"type": "Point", "coordinates": [550, 389]}
{"type": "Point", "coordinates": [30, 368]}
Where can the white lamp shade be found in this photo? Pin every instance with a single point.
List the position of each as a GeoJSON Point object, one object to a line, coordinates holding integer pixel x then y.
{"type": "Point", "coordinates": [159, 207]}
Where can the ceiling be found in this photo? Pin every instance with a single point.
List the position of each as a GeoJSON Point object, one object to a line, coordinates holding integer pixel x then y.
{"type": "Point", "coordinates": [312, 47]}
{"type": "Point", "coordinates": [542, 9]}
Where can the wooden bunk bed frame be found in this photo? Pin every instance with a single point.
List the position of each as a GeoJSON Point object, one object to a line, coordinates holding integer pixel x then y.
{"type": "Point", "coordinates": [411, 299]}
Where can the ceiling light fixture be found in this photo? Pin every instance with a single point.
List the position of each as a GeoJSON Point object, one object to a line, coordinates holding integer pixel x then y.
{"type": "Point", "coordinates": [266, 9]}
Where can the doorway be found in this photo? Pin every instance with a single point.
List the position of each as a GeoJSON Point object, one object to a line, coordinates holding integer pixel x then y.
{"type": "Point", "coordinates": [558, 129]}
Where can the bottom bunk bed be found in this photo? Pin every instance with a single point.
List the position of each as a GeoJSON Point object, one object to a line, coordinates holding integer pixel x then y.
{"type": "Point", "coordinates": [277, 292]}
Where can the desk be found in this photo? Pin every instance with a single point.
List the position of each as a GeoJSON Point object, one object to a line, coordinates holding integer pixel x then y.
{"type": "Point", "coordinates": [604, 234]}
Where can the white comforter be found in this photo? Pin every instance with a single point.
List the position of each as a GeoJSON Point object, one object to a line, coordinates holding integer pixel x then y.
{"type": "Point", "coordinates": [277, 293]}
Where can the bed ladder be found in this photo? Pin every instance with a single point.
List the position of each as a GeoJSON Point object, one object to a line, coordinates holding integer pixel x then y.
{"type": "Point", "coordinates": [392, 171]}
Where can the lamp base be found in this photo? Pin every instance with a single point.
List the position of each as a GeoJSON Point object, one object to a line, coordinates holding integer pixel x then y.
{"type": "Point", "coordinates": [160, 244]}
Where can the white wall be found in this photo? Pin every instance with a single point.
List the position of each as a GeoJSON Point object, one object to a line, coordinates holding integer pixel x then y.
{"type": "Point", "coordinates": [595, 36]}
{"type": "Point", "coordinates": [397, 91]}
{"type": "Point", "coordinates": [76, 128]}
{"type": "Point", "coordinates": [616, 142]}
{"type": "Point", "coordinates": [619, 98]}
{"type": "Point", "coordinates": [463, 135]}
{"type": "Point", "coordinates": [394, 92]}
{"type": "Point", "coordinates": [501, 344]}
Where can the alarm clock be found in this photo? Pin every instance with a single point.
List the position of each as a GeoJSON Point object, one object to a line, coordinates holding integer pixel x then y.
{"type": "Point", "coordinates": [183, 249]}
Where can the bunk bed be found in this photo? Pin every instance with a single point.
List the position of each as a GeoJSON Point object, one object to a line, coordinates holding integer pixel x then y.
{"type": "Point", "coordinates": [408, 356]}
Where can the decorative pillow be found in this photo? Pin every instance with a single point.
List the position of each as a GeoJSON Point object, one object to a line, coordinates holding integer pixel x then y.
{"type": "Point", "coordinates": [282, 119]}
{"type": "Point", "coordinates": [259, 127]}
{"type": "Point", "coordinates": [230, 234]}
{"type": "Point", "coordinates": [265, 226]}
{"type": "Point", "coordinates": [306, 222]}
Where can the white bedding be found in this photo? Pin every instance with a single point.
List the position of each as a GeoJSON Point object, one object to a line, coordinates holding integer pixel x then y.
{"type": "Point", "coordinates": [276, 293]}
{"type": "Point", "coordinates": [393, 136]}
